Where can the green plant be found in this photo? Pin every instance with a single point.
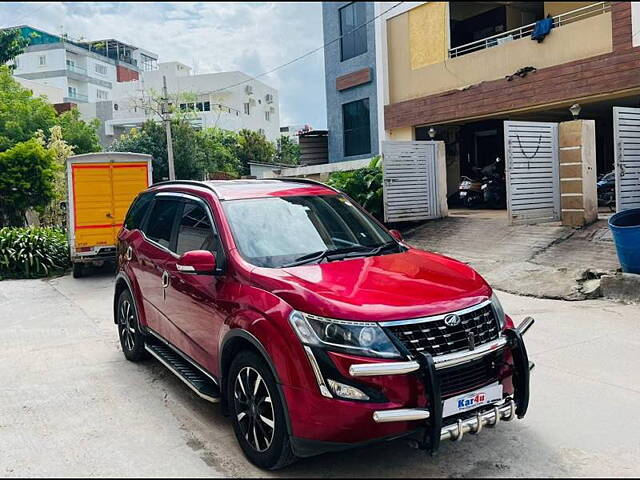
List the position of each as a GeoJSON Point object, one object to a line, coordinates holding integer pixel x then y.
{"type": "Point", "coordinates": [32, 252]}
{"type": "Point", "coordinates": [364, 185]}
{"type": "Point", "coordinates": [287, 151]}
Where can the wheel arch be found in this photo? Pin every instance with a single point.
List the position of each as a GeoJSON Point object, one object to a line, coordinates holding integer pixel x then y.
{"type": "Point", "coordinates": [234, 342]}
{"type": "Point", "coordinates": [123, 283]}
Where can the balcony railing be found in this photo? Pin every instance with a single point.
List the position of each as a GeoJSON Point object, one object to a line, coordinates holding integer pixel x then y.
{"type": "Point", "coordinates": [525, 31]}
{"type": "Point", "coordinates": [76, 69]}
{"type": "Point", "coordinates": [78, 96]}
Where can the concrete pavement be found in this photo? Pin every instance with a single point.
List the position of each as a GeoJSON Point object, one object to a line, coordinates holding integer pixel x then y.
{"type": "Point", "coordinates": [70, 405]}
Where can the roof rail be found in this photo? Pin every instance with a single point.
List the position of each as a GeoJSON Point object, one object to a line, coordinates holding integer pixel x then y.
{"type": "Point", "coordinates": [304, 180]}
{"type": "Point", "coordinates": [195, 183]}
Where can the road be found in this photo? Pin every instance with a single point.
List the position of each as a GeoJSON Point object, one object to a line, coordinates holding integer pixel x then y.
{"type": "Point", "coordinates": [70, 405]}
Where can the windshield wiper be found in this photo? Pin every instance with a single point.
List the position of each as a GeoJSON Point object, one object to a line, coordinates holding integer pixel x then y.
{"type": "Point", "coordinates": [359, 249]}
{"type": "Point", "coordinates": [317, 256]}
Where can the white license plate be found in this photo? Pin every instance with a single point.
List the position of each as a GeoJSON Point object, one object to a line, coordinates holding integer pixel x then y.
{"type": "Point", "coordinates": [463, 194]}
{"type": "Point", "coordinates": [471, 400]}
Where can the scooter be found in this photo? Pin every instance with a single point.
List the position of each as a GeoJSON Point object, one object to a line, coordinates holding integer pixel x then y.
{"type": "Point", "coordinates": [470, 192]}
{"type": "Point", "coordinates": [494, 186]}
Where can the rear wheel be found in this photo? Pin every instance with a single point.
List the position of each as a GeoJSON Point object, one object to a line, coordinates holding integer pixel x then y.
{"type": "Point", "coordinates": [78, 270]}
{"type": "Point", "coordinates": [131, 336]}
{"type": "Point", "coordinates": [258, 413]}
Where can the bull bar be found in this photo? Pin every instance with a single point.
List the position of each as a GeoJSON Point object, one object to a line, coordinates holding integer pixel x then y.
{"type": "Point", "coordinates": [426, 367]}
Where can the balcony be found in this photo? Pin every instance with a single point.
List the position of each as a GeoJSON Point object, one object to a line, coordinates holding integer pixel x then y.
{"type": "Point", "coordinates": [75, 69]}
{"type": "Point", "coordinates": [76, 97]}
{"type": "Point", "coordinates": [526, 30]}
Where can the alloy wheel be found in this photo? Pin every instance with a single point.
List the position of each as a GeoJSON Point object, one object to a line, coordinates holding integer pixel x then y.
{"type": "Point", "coordinates": [254, 409]}
{"type": "Point", "coordinates": [127, 322]}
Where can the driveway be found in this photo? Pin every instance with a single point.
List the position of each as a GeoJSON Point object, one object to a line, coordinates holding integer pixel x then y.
{"type": "Point", "coordinates": [70, 405]}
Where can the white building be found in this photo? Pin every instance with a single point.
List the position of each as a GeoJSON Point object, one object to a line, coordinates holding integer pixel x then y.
{"type": "Point", "coordinates": [227, 100]}
{"type": "Point", "coordinates": [53, 94]}
{"type": "Point", "coordinates": [85, 71]}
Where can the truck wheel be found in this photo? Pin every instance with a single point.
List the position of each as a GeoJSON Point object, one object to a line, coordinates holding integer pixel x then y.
{"type": "Point", "coordinates": [78, 270]}
{"type": "Point", "coordinates": [257, 413]}
{"type": "Point", "coordinates": [131, 336]}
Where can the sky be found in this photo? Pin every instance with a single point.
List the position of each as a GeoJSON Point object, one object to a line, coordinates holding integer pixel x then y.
{"type": "Point", "coordinates": [210, 37]}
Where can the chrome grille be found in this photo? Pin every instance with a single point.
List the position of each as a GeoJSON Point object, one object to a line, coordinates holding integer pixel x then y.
{"type": "Point", "coordinates": [470, 376]}
{"type": "Point", "coordinates": [437, 338]}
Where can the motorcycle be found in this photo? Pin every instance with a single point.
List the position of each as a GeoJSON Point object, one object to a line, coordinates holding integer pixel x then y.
{"type": "Point", "coordinates": [494, 186]}
{"type": "Point", "coordinates": [607, 191]}
{"type": "Point", "coordinates": [470, 192]}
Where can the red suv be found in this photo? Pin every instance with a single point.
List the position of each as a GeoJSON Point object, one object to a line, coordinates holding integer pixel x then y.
{"type": "Point", "coordinates": [316, 327]}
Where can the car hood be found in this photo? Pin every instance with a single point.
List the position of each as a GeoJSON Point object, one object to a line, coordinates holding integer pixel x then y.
{"type": "Point", "coordinates": [396, 286]}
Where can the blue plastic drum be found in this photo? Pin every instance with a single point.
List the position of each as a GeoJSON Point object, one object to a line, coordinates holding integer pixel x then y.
{"type": "Point", "coordinates": [625, 227]}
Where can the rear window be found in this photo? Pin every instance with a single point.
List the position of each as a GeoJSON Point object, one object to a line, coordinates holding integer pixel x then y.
{"type": "Point", "coordinates": [136, 212]}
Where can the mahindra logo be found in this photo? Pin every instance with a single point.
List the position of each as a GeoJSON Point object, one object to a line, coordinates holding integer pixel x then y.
{"type": "Point", "coordinates": [452, 320]}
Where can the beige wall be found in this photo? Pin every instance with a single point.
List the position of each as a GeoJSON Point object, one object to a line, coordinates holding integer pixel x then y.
{"type": "Point", "coordinates": [401, 134]}
{"type": "Point", "coordinates": [581, 39]}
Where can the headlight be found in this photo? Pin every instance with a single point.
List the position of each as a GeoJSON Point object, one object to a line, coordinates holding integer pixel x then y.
{"type": "Point", "coordinates": [498, 311]}
{"type": "Point", "coordinates": [359, 338]}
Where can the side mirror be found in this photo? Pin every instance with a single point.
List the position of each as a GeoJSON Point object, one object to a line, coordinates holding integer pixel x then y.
{"type": "Point", "coordinates": [396, 234]}
{"type": "Point", "coordinates": [201, 262]}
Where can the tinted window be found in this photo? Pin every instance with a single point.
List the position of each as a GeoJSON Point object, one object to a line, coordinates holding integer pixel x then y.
{"type": "Point", "coordinates": [195, 231]}
{"type": "Point", "coordinates": [136, 212]}
{"type": "Point", "coordinates": [160, 223]}
{"type": "Point", "coordinates": [354, 39]}
{"type": "Point", "coordinates": [357, 133]}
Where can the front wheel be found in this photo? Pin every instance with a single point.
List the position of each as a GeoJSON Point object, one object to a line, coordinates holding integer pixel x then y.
{"type": "Point", "coordinates": [258, 413]}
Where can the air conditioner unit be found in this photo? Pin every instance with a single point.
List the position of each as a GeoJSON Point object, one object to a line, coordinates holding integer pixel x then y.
{"type": "Point", "coordinates": [268, 98]}
{"type": "Point", "coordinates": [248, 89]}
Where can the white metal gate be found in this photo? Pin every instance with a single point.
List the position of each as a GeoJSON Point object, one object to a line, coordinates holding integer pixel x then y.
{"type": "Point", "coordinates": [626, 128]}
{"type": "Point", "coordinates": [410, 181]}
{"type": "Point", "coordinates": [532, 171]}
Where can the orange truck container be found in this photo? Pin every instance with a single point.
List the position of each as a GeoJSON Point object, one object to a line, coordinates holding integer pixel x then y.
{"type": "Point", "coordinates": [101, 188]}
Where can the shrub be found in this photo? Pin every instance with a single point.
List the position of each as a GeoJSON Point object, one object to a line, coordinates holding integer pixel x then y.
{"type": "Point", "coordinates": [364, 185]}
{"type": "Point", "coordinates": [32, 252]}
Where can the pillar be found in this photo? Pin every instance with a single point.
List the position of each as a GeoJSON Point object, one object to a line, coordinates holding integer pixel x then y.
{"type": "Point", "coordinates": [578, 194]}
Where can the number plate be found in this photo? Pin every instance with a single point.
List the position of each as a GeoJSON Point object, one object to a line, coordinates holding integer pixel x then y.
{"type": "Point", "coordinates": [463, 194]}
{"type": "Point", "coordinates": [471, 400]}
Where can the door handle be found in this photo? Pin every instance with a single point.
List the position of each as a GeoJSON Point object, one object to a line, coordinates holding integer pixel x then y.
{"type": "Point", "coordinates": [129, 254]}
{"type": "Point", "coordinates": [165, 279]}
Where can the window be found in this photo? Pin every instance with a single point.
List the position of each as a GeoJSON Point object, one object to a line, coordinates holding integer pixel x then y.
{"type": "Point", "coordinates": [71, 63]}
{"type": "Point", "coordinates": [102, 94]}
{"type": "Point", "coordinates": [183, 107]}
{"type": "Point", "coordinates": [160, 223]}
{"type": "Point", "coordinates": [261, 131]}
{"type": "Point", "coordinates": [191, 106]}
{"type": "Point", "coordinates": [16, 64]}
{"type": "Point", "coordinates": [195, 231]}
{"type": "Point", "coordinates": [136, 212]}
{"type": "Point", "coordinates": [207, 106]}
{"type": "Point", "coordinates": [267, 116]}
{"type": "Point", "coordinates": [101, 69]}
{"type": "Point", "coordinates": [199, 106]}
{"type": "Point", "coordinates": [73, 92]}
{"type": "Point", "coordinates": [306, 224]}
{"type": "Point", "coordinates": [42, 60]}
{"type": "Point", "coordinates": [247, 109]}
{"type": "Point", "coordinates": [355, 123]}
{"type": "Point", "coordinates": [353, 42]}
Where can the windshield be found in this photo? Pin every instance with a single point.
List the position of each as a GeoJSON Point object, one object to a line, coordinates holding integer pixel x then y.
{"type": "Point", "coordinates": [282, 231]}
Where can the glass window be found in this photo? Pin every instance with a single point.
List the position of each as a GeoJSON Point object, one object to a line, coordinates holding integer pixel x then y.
{"type": "Point", "coordinates": [136, 212]}
{"type": "Point", "coordinates": [271, 232]}
{"type": "Point", "coordinates": [160, 223]}
{"type": "Point", "coordinates": [246, 108]}
{"type": "Point", "coordinates": [199, 106]}
{"type": "Point", "coordinates": [195, 231]}
{"type": "Point", "coordinates": [357, 132]}
{"type": "Point", "coordinates": [353, 41]}
{"type": "Point", "coordinates": [42, 60]}
{"type": "Point", "coordinates": [207, 106]}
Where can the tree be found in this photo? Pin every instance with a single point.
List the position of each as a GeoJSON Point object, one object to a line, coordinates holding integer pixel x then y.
{"type": "Point", "coordinates": [81, 135]}
{"type": "Point", "coordinates": [12, 44]}
{"type": "Point", "coordinates": [254, 147]}
{"type": "Point", "coordinates": [27, 176]}
{"type": "Point", "coordinates": [21, 114]}
{"type": "Point", "coordinates": [288, 151]}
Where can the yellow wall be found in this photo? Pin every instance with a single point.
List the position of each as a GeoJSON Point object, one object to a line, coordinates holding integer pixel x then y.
{"type": "Point", "coordinates": [582, 39]}
{"type": "Point", "coordinates": [403, 134]}
{"type": "Point", "coordinates": [556, 8]}
{"type": "Point", "coordinates": [428, 29]}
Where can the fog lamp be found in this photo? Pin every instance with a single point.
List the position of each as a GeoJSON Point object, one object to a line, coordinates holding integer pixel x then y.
{"type": "Point", "coordinates": [347, 391]}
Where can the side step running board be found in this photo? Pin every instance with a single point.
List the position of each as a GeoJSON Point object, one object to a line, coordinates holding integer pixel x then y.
{"type": "Point", "coordinates": [197, 381]}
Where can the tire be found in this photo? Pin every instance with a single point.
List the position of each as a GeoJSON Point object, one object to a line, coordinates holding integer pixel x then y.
{"type": "Point", "coordinates": [78, 270]}
{"type": "Point", "coordinates": [260, 425]}
{"type": "Point", "coordinates": [129, 332]}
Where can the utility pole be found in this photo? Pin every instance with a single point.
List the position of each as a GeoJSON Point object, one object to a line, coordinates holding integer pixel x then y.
{"type": "Point", "coordinates": [166, 118]}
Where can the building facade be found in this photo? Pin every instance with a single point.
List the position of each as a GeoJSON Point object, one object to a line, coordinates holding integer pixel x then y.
{"type": "Point", "coordinates": [351, 80]}
{"type": "Point", "coordinates": [458, 70]}
{"type": "Point", "coordinates": [84, 71]}
{"type": "Point", "coordinates": [228, 100]}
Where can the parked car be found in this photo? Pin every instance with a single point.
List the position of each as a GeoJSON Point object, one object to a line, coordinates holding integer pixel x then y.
{"type": "Point", "coordinates": [315, 327]}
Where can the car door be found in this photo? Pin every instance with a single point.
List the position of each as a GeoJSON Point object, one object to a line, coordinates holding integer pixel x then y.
{"type": "Point", "coordinates": [195, 302]}
{"type": "Point", "coordinates": [152, 253]}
